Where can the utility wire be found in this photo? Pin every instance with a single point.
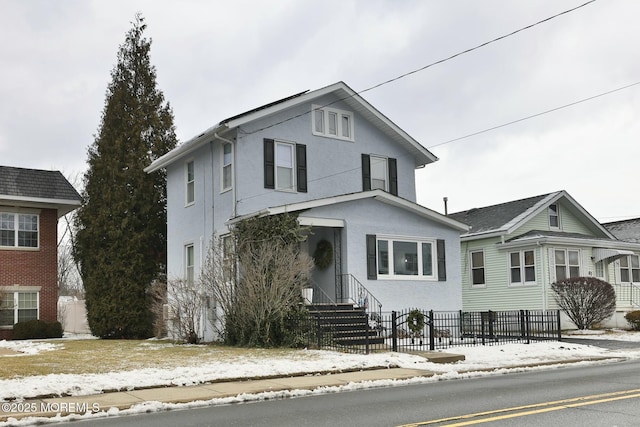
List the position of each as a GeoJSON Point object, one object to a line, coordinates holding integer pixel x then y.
{"type": "Point", "coordinates": [535, 115]}
{"type": "Point", "coordinates": [414, 72]}
{"type": "Point", "coordinates": [427, 66]}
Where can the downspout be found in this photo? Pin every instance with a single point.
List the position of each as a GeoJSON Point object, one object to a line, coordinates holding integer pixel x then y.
{"type": "Point", "coordinates": [234, 195]}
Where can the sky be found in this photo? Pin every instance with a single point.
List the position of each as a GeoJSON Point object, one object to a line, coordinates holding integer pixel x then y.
{"type": "Point", "coordinates": [215, 59]}
{"type": "Point", "coordinates": [479, 361]}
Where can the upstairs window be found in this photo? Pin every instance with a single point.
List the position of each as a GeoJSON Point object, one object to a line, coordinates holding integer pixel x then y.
{"type": "Point", "coordinates": [285, 166]}
{"type": "Point", "coordinates": [379, 175]}
{"type": "Point", "coordinates": [379, 172]}
{"type": "Point", "coordinates": [227, 166]}
{"type": "Point", "coordinates": [332, 123]}
{"type": "Point", "coordinates": [18, 230]}
{"type": "Point", "coordinates": [554, 218]}
{"type": "Point", "coordinates": [190, 183]}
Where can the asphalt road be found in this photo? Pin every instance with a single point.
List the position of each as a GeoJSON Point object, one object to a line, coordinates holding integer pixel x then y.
{"type": "Point", "coordinates": [596, 395]}
{"type": "Point", "coordinates": [608, 344]}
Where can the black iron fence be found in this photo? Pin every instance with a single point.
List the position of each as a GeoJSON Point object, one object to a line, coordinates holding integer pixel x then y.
{"type": "Point", "coordinates": [415, 330]}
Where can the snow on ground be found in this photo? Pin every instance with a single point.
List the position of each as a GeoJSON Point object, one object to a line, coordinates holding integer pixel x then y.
{"type": "Point", "coordinates": [478, 358]}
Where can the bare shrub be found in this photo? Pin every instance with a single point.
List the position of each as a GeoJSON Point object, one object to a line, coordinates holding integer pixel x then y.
{"type": "Point", "coordinates": [586, 300]}
{"type": "Point", "coordinates": [256, 289]}
{"type": "Point", "coordinates": [178, 310]}
{"type": "Point", "coordinates": [158, 302]}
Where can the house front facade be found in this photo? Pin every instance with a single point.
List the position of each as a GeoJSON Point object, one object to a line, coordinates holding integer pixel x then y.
{"type": "Point", "coordinates": [514, 251]}
{"type": "Point", "coordinates": [345, 169]}
{"type": "Point", "coordinates": [31, 201]}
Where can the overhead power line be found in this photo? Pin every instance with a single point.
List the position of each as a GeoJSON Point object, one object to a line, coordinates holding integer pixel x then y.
{"type": "Point", "coordinates": [535, 115]}
{"type": "Point", "coordinates": [476, 47]}
{"type": "Point", "coordinates": [429, 65]}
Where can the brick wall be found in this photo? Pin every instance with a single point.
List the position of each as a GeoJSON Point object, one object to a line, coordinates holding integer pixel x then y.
{"type": "Point", "coordinates": [35, 268]}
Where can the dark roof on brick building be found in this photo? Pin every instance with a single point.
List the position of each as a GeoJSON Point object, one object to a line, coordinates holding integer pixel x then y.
{"type": "Point", "coordinates": [37, 188]}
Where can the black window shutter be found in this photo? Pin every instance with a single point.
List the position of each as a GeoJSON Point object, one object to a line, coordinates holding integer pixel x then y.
{"type": "Point", "coordinates": [393, 176]}
{"type": "Point", "coordinates": [366, 173]}
{"type": "Point", "coordinates": [371, 257]}
{"type": "Point", "coordinates": [442, 262]}
{"type": "Point", "coordinates": [301, 167]}
{"type": "Point", "coordinates": [269, 164]}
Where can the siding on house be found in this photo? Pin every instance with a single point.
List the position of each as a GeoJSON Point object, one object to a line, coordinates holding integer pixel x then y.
{"type": "Point", "coordinates": [577, 231]}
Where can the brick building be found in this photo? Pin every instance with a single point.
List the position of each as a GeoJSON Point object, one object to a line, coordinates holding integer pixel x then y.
{"type": "Point", "coordinates": [31, 201]}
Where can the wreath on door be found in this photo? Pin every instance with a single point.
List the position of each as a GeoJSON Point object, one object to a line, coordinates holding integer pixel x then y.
{"type": "Point", "coordinates": [323, 255]}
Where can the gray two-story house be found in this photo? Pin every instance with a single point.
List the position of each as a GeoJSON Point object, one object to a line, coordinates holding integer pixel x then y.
{"type": "Point", "coordinates": [345, 169]}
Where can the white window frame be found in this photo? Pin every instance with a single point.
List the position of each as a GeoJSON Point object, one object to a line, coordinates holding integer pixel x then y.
{"type": "Point", "coordinates": [567, 263]}
{"type": "Point", "coordinates": [226, 166]}
{"type": "Point", "coordinates": [189, 183]}
{"type": "Point", "coordinates": [554, 213]}
{"type": "Point", "coordinates": [189, 263]}
{"type": "Point", "coordinates": [320, 123]}
{"type": "Point", "coordinates": [630, 268]}
{"type": "Point", "coordinates": [292, 147]}
{"type": "Point", "coordinates": [522, 267]}
{"type": "Point", "coordinates": [16, 304]}
{"type": "Point", "coordinates": [385, 168]}
{"type": "Point", "coordinates": [472, 268]}
{"type": "Point", "coordinates": [16, 219]}
{"type": "Point", "coordinates": [390, 258]}
{"type": "Point", "coordinates": [601, 270]}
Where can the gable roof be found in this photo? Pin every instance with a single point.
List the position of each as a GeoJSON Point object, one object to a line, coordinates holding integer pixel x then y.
{"type": "Point", "coordinates": [627, 230]}
{"type": "Point", "coordinates": [505, 218]}
{"type": "Point", "coordinates": [378, 195]}
{"type": "Point", "coordinates": [33, 187]}
{"type": "Point", "coordinates": [343, 92]}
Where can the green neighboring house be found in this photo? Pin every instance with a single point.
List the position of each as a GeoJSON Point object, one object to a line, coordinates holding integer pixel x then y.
{"type": "Point", "coordinates": [514, 251]}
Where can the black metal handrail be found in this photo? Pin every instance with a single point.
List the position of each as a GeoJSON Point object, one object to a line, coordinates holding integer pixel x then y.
{"type": "Point", "coordinates": [357, 294]}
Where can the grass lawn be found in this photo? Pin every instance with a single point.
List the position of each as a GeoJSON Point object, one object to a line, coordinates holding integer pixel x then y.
{"type": "Point", "coordinates": [102, 356]}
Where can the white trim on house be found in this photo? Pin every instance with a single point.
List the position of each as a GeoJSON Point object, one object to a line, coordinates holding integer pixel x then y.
{"type": "Point", "coordinates": [320, 222]}
{"type": "Point", "coordinates": [62, 206]}
{"type": "Point", "coordinates": [344, 93]}
{"type": "Point", "coordinates": [511, 226]}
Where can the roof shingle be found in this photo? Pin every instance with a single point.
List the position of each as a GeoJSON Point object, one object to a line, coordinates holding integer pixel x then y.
{"type": "Point", "coordinates": [34, 183]}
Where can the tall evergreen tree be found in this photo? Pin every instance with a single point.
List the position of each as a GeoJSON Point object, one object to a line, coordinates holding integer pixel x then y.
{"type": "Point", "coordinates": [121, 239]}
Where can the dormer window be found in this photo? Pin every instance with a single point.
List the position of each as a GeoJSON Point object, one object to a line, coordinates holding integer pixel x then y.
{"type": "Point", "coordinates": [554, 217]}
{"type": "Point", "coordinates": [332, 123]}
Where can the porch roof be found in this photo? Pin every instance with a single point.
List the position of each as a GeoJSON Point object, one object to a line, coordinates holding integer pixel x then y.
{"type": "Point", "coordinates": [378, 195]}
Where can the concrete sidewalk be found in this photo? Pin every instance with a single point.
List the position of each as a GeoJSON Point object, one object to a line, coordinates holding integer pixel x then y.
{"type": "Point", "coordinates": [50, 407]}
